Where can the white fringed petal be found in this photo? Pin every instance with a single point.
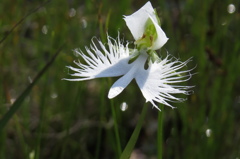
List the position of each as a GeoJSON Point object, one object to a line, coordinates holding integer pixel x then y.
{"type": "Point", "coordinates": [103, 62]}
{"type": "Point", "coordinates": [158, 82]}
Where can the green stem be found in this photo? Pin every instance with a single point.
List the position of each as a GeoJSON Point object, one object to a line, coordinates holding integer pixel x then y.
{"type": "Point", "coordinates": [160, 133]}
{"type": "Point", "coordinates": [119, 149]}
{"type": "Point", "coordinates": [102, 119]}
{"type": "Point", "coordinates": [132, 141]}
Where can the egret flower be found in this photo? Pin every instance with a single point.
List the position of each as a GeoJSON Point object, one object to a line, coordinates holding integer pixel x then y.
{"type": "Point", "coordinates": [157, 82]}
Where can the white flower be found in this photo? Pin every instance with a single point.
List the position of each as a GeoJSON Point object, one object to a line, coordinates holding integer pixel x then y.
{"type": "Point", "coordinates": [137, 25]}
{"type": "Point", "coordinates": [158, 82]}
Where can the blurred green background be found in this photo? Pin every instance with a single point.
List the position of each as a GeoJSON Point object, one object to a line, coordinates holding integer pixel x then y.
{"type": "Point", "coordinates": [61, 119]}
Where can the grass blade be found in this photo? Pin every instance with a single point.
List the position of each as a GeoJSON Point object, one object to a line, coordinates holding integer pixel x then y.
{"type": "Point", "coordinates": [16, 105]}
{"type": "Point", "coordinates": [131, 143]}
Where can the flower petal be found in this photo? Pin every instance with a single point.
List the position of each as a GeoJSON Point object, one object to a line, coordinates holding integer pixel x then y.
{"type": "Point", "coordinates": [156, 83]}
{"type": "Point", "coordinates": [161, 36]}
{"type": "Point", "coordinates": [136, 22]}
{"type": "Point", "coordinates": [122, 83]}
{"type": "Point", "coordinates": [102, 62]}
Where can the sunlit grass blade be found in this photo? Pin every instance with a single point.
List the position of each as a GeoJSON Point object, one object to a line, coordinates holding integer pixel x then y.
{"type": "Point", "coordinates": [21, 20]}
{"type": "Point", "coordinates": [16, 105]}
{"type": "Point", "coordinates": [131, 143]}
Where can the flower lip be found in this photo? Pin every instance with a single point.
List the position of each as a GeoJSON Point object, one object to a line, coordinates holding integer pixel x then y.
{"type": "Point", "coordinates": [157, 83]}
{"type": "Point", "coordinates": [122, 83]}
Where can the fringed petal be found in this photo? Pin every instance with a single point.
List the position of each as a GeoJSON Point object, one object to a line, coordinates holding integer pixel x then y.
{"type": "Point", "coordinates": [158, 82]}
{"type": "Point", "coordinates": [102, 61]}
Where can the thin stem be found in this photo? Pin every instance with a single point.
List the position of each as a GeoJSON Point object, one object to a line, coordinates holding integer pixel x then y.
{"type": "Point", "coordinates": [42, 121]}
{"type": "Point", "coordinates": [160, 132]}
{"type": "Point", "coordinates": [119, 149]}
{"type": "Point", "coordinates": [102, 119]}
{"type": "Point", "coordinates": [132, 141]}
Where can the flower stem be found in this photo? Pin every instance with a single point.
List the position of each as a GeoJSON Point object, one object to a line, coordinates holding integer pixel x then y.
{"type": "Point", "coordinates": [160, 132]}
{"type": "Point", "coordinates": [132, 141]}
{"type": "Point", "coordinates": [119, 149]}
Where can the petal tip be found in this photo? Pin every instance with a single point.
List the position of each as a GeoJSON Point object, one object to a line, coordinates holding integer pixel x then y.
{"type": "Point", "coordinates": [113, 92]}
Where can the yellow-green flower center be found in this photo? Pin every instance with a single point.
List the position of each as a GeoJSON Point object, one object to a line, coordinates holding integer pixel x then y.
{"type": "Point", "coordinates": [148, 38]}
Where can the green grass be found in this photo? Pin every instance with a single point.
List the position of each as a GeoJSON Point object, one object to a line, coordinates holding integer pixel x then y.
{"type": "Point", "coordinates": [61, 119]}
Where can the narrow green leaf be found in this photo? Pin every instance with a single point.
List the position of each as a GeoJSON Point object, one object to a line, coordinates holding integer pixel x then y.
{"type": "Point", "coordinates": [131, 143]}
{"type": "Point", "coordinates": [16, 105]}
